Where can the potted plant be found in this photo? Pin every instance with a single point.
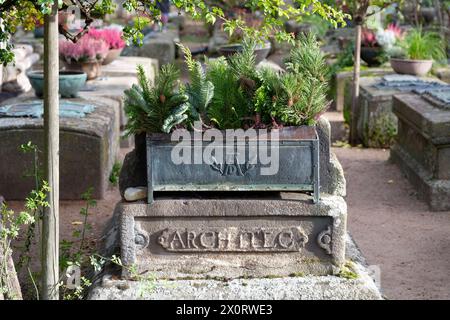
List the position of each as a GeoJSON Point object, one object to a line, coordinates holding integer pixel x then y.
{"type": "Point", "coordinates": [113, 37]}
{"type": "Point", "coordinates": [233, 94]}
{"type": "Point", "coordinates": [70, 82]}
{"type": "Point", "coordinates": [415, 54]}
{"type": "Point", "coordinates": [85, 55]}
{"type": "Point", "coordinates": [376, 44]}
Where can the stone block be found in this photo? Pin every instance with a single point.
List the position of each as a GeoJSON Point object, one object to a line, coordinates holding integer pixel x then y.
{"type": "Point", "coordinates": [332, 180]}
{"type": "Point", "coordinates": [422, 148]}
{"type": "Point", "coordinates": [127, 67]}
{"type": "Point", "coordinates": [157, 45]}
{"type": "Point", "coordinates": [339, 130]}
{"type": "Point", "coordinates": [295, 287]}
{"type": "Point", "coordinates": [283, 288]}
{"type": "Point", "coordinates": [14, 77]}
{"type": "Point", "coordinates": [88, 150]}
{"type": "Point", "coordinates": [376, 123]}
{"type": "Point", "coordinates": [443, 74]}
{"type": "Point", "coordinates": [109, 88]}
{"type": "Point", "coordinates": [343, 80]}
{"type": "Point", "coordinates": [280, 235]}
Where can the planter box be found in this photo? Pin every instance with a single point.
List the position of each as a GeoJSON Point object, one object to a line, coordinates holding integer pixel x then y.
{"type": "Point", "coordinates": [297, 164]}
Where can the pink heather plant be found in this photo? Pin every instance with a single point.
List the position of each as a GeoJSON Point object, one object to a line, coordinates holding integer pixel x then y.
{"type": "Point", "coordinates": [113, 37]}
{"type": "Point", "coordinates": [368, 38]}
{"type": "Point", "coordinates": [396, 30]}
{"type": "Point", "coordinates": [87, 49]}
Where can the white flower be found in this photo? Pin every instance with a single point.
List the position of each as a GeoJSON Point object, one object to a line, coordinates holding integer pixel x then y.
{"type": "Point", "coordinates": [386, 38]}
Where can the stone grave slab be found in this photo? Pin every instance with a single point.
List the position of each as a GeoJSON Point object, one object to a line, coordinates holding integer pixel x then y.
{"type": "Point", "coordinates": [343, 85]}
{"type": "Point", "coordinates": [111, 87]}
{"type": "Point", "coordinates": [443, 73]}
{"type": "Point", "coordinates": [280, 235]}
{"type": "Point", "coordinates": [376, 123]}
{"type": "Point", "coordinates": [89, 142]}
{"type": "Point", "coordinates": [127, 66]}
{"type": "Point", "coordinates": [157, 45]}
{"type": "Point", "coordinates": [116, 77]}
{"type": "Point", "coordinates": [422, 148]}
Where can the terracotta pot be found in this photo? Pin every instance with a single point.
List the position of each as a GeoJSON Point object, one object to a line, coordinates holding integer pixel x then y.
{"type": "Point", "coordinates": [412, 67]}
{"type": "Point", "coordinates": [92, 69]}
{"type": "Point", "coordinates": [112, 55]}
{"type": "Point", "coordinates": [372, 56]}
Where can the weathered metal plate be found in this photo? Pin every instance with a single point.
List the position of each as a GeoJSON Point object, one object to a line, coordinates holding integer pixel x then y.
{"type": "Point", "coordinates": [290, 164]}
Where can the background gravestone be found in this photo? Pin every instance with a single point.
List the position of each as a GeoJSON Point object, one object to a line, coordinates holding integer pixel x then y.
{"type": "Point", "coordinates": [422, 148]}
{"type": "Point", "coordinates": [88, 149]}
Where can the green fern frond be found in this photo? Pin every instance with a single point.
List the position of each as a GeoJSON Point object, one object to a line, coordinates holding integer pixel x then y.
{"type": "Point", "coordinates": [243, 64]}
{"type": "Point", "coordinates": [228, 106]}
{"type": "Point", "coordinates": [157, 108]}
{"type": "Point", "coordinates": [199, 89]}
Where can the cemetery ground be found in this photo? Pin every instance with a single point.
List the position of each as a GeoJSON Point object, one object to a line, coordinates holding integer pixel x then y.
{"type": "Point", "coordinates": [393, 229]}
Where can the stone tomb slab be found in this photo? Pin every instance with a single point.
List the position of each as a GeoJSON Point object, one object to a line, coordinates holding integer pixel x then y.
{"type": "Point", "coordinates": [230, 238]}
{"type": "Point", "coordinates": [88, 148]}
{"type": "Point", "coordinates": [127, 66]}
{"type": "Point", "coordinates": [117, 77]}
{"type": "Point", "coordinates": [422, 148]}
{"type": "Point", "coordinates": [344, 79]}
{"type": "Point", "coordinates": [376, 123]}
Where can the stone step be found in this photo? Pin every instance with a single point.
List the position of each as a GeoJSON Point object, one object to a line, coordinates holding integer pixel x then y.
{"type": "Point", "coordinates": [339, 130]}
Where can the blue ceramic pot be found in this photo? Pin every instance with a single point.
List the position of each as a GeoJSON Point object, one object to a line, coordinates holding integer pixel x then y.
{"type": "Point", "coordinates": [70, 82]}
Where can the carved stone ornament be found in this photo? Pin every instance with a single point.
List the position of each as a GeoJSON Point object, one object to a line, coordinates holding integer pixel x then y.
{"type": "Point", "coordinates": [324, 240]}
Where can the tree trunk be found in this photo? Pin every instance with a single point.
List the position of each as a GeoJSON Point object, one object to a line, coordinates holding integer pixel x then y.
{"type": "Point", "coordinates": [355, 84]}
{"type": "Point", "coordinates": [50, 228]}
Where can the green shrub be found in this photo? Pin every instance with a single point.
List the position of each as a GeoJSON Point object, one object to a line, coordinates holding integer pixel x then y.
{"type": "Point", "coordinates": [419, 45]}
{"type": "Point", "coordinates": [232, 93]}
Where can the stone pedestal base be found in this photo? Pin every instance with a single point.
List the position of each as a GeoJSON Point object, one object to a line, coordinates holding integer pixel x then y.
{"type": "Point", "coordinates": [287, 288]}
{"type": "Point", "coordinates": [274, 235]}
{"type": "Point", "coordinates": [358, 286]}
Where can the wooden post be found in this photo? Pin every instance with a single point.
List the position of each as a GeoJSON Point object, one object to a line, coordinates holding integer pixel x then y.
{"type": "Point", "coordinates": [50, 228]}
{"type": "Point", "coordinates": [355, 89]}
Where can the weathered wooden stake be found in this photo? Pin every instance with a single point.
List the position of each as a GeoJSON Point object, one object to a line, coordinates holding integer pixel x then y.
{"type": "Point", "coordinates": [50, 228]}
{"type": "Point", "coordinates": [355, 89]}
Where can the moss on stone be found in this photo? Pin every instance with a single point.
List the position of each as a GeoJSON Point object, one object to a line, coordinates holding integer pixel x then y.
{"type": "Point", "coordinates": [348, 271]}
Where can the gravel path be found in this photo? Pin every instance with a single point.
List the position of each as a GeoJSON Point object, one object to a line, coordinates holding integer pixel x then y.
{"type": "Point", "coordinates": [394, 230]}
